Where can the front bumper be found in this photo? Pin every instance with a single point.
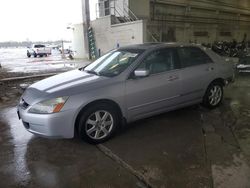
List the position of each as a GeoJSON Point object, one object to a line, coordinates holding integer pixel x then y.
{"type": "Point", "coordinates": [57, 125]}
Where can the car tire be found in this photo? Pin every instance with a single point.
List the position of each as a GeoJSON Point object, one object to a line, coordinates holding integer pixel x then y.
{"type": "Point", "coordinates": [35, 55]}
{"type": "Point", "coordinates": [98, 123]}
{"type": "Point", "coordinates": [214, 95]}
{"type": "Point", "coordinates": [28, 55]}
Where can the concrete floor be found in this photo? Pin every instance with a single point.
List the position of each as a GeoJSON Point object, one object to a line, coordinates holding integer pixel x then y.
{"type": "Point", "coordinates": [191, 147]}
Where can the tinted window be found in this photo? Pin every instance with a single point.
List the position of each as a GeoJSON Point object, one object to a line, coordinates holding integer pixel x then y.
{"type": "Point", "coordinates": [191, 56]}
{"type": "Point", "coordinates": [39, 46]}
{"type": "Point", "coordinates": [160, 61]}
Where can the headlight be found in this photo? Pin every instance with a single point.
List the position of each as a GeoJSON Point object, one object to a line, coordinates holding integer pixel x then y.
{"type": "Point", "coordinates": [49, 106]}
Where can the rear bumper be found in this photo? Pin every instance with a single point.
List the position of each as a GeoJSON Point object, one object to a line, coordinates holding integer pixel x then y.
{"type": "Point", "coordinates": [229, 80]}
{"type": "Point", "coordinates": [243, 70]}
{"type": "Point", "coordinates": [38, 53]}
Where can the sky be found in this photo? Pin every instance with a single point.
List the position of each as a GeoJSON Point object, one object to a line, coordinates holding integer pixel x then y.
{"type": "Point", "coordinates": [40, 20]}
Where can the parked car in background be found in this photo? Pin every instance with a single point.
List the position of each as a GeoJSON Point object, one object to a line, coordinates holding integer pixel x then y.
{"type": "Point", "coordinates": [38, 50]}
{"type": "Point", "coordinates": [124, 85]}
{"type": "Point", "coordinates": [244, 64]}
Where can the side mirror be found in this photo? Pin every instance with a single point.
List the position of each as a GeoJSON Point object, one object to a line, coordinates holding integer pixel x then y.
{"type": "Point", "coordinates": [141, 73]}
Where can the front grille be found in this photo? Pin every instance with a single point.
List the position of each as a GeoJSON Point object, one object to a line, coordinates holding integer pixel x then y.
{"type": "Point", "coordinates": [24, 105]}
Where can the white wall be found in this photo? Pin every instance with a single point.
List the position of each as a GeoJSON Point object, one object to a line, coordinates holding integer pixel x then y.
{"type": "Point", "coordinates": [109, 36]}
{"type": "Point", "coordinates": [78, 41]}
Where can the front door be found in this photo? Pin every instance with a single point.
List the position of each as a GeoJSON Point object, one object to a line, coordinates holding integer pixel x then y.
{"type": "Point", "coordinates": [160, 90]}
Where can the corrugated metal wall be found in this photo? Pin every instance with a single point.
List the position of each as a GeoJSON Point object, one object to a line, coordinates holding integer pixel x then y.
{"type": "Point", "coordinates": [201, 21]}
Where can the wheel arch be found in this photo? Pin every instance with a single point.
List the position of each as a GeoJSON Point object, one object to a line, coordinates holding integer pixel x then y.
{"type": "Point", "coordinates": [99, 101]}
{"type": "Point", "coordinates": [219, 80]}
{"type": "Point", "coordinates": [216, 80]}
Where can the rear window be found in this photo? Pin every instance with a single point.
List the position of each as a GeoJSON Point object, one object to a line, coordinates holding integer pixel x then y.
{"type": "Point", "coordinates": [39, 46]}
{"type": "Point", "coordinates": [192, 56]}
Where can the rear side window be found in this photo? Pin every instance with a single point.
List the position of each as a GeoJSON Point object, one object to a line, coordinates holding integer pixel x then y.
{"type": "Point", "coordinates": [192, 56]}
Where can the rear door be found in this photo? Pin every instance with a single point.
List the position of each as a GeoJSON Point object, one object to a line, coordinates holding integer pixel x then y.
{"type": "Point", "coordinates": [198, 70]}
{"type": "Point", "coordinates": [157, 92]}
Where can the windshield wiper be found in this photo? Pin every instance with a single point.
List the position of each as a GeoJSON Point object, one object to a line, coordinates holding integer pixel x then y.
{"type": "Point", "coordinates": [107, 74]}
{"type": "Point", "coordinates": [92, 72]}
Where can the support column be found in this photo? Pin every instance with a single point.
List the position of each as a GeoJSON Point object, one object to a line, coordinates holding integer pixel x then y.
{"type": "Point", "coordinates": [86, 24]}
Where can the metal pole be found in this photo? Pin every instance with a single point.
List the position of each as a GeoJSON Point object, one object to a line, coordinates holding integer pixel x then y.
{"type": "Point", "coordinates": [63, 54]}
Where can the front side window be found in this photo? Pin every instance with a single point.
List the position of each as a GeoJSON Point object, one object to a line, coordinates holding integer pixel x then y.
{"type": "Point", "coordinates": [192, 56]}
{"type": "Point", "coordinates": [160, 61]}
{"type": "Point", "coordinates": [113, 63]}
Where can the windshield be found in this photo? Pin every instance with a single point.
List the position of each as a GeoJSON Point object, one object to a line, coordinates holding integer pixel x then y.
{"type": "Point", "coordinates": [113, 63]}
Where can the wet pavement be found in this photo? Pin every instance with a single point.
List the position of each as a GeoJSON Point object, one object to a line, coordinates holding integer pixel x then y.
{"type": "Point", "coordinates": [29, 161]}
{"type": "Point", "coordinates": [191, 147]}
{"type": "Point", "coordinates": [15, 65]}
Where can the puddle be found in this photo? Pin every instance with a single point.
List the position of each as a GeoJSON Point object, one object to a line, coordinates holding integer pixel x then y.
{"type": "Point", "coordinates": [19, 134]}
{"type": "Point", "coordinates": [20, 138]}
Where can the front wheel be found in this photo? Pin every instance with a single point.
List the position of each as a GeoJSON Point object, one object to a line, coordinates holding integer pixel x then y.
{"type": "Point", "coordinates": [214, 95]}
{"type": "Point", "coordinates": [98, 123]}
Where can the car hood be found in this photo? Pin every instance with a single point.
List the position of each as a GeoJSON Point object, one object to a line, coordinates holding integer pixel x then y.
{"type": "Point", "coordinates": [64, 84]}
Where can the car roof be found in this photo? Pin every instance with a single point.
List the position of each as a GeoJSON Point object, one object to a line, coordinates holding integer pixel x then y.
{"type": "Point", "coordinates": [148, 46]}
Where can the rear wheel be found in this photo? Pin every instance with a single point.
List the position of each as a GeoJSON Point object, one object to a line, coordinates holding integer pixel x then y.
{"type": "Point", "coordinates": [98, 123]}
{"type": "Point", "coordinates": [214, 95]}
{"type": "Point", "coordinates": [28, 55]}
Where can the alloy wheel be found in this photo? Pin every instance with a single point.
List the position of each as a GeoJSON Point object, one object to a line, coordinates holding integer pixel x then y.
{"type": "Point", "coordinates": [215, 95]}
{"type": "Point", "coordinates": [99, 124]}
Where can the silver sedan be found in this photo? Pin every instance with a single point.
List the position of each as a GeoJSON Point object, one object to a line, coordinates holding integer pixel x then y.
{"type": "Point", "coordinates": [124, 85]}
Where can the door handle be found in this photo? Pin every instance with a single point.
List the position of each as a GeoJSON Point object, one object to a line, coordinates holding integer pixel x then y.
{"type": "Point", "coordinates": [172, 78]}
{"type": "Point", "coordinates": [210, 69]}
